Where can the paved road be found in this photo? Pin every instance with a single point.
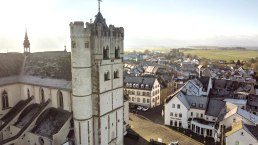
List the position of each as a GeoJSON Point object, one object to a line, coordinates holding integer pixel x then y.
{"type": "Point", "coordinates": [148, 129]}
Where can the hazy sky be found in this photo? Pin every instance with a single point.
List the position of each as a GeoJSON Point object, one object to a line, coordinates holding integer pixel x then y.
{"type": "Point", "coordinates": [147, 23]}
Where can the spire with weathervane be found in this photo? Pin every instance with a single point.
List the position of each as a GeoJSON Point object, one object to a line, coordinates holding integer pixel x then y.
{"type": "Point", "coordinates": [26, 43]}
{"type": "Point", "coordinates": [99, 18]}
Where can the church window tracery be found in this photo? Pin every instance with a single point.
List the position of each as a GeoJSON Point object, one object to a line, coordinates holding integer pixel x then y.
{"type": "Point", "coordinates": [42, 96]}
{"type": "Point", "coordinates": [60, 99]}
{"type": "Point", "coordinates": [5, 103]}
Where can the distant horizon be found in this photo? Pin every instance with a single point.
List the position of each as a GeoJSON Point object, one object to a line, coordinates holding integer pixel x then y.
{"type": "Point", "coordinates": [147, 23]}
{"type": "Point", "coordinates": [254, 48]}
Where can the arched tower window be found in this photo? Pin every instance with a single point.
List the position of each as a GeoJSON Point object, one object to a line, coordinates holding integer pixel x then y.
{"type": "Point", "coordinates": [60, 99]}
{"type": "Point", "coordinates": [116, 74]}
{"type": "Point", "coordinates": [28, 93]}
{"type": "Point", "coordinates": [106, 76]}
{"type": "Point", "coordinates": [106, 53]}
{"type": "Point", "coordinates": [117, 52]}
{"type": "Point", "coordinates": [73, 44]}
{"type": "Point", "coordinates": [42, 95]}
{"type": "Point", "coordinates": [5, 103]}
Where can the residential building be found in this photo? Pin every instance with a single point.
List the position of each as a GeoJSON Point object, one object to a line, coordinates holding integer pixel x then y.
{"type": "Point", "coordinates": [144, 91]}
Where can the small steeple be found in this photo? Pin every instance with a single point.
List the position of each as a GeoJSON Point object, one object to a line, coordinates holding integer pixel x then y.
{"type": "Point", "coordinates": [26, 43]}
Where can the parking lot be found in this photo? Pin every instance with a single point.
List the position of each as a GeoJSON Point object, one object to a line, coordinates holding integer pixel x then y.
{"type": "Point", "coordinates": [149, 125]}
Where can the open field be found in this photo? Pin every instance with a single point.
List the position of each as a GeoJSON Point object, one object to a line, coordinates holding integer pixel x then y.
{"type": "Point", "coordinates": [227, 55]}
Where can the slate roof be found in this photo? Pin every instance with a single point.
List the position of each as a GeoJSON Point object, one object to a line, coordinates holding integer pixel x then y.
{"type": "Point", "coordinates": [198, 102]}
{"type": "Point", "coordinates": [55, 64]}
{"type": "Point", "coordinates": [15, 110]}
{"type": "Point", "coordinates": [50, 122]}
{"type": "Point", "coordinates": [214, 107]}
{"type": "Point", "coordinates": [140, 80]}
{"type": "Point", "coordinates": [27, 114]}
{"type": "Point", "coordinates": [10, 64]}
{"type": "Point", "coordinates": [253, 130]}
{"type": "Point", "coordinates": [41, 68]}
{"type": "Point", "coordinates": [204, 81]}
{"type": "Point", "coordinates": [99, 19]}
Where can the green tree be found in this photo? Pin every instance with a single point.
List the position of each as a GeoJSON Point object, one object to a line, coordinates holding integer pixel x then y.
{"type": "Point", "coordinates": [147, 51]}
{"type": "Point", "coordinates": [255, 66]}
{"type": "Point", "coordinates": [232, 62]}
{"type": "Point", "coordinates": [238, 63]}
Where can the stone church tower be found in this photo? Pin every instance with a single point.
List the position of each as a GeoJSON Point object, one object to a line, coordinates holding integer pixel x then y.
{"type": "Point", "coordinates": [97, 82]}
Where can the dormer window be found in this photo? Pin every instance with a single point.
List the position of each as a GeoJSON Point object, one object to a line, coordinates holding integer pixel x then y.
{"type": "Point", "coordinates": [142, 86]}
{"type": "Point", "coordinates": [133, 85]}
{"type": "Point", "coordinates": [106, 52]}
{"type": "Point", "coordinates": [117, 52]}
{"type": "Point", "coordinates": [147, 86]}
{"type": "Point", "coordinates": [193, 104]}
{"type": "Point", "coordinates": [106, 76]}
{"type": "Point", "coordinates": [137, 85]}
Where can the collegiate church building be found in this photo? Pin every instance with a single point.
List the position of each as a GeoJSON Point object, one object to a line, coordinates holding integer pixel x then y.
{"type": "Point", "coordinates": [58, 97]}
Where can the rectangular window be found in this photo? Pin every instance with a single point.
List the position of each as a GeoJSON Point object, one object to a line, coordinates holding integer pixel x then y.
{"type": "Point", "coordinates": [171, 122]}
{"type": "Point", "coordinates": [201, 115]}
{"type": "Point", "coordinates": [87, 45]}
{"type": "Point", "coordinates": [148, 100]}
{"type": "Point", "coordinates": [133, 99]}
{"type": "Point", "coordinates": [138, 99]}
{"type": "Point", "coordinates": [173, 105]}
{"type": "Point", "coordinates": [175, 114]}
{"type": "Point", "coordinates": [138, 93]}
{"type": "Point", "coordinates": [143, 100]}
{"type": "Point", "coordinates": [171, 113]}
{"type": "Point", "coordinates": [148, 93]}
{"type": "Point", "coordinates": [178, 106]}
{"type": "Point", "coordinates": [201, 131]}
{"type": "Point", "coordinates": [180, 115]}
{"type": "Point", "coordinates": [191, 113]}
{"type": "Point", "coordinates": [180, 124]}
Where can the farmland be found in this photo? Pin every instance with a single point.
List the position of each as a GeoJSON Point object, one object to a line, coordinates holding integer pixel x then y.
{"type": "Point", "coordinates": [217, 54]}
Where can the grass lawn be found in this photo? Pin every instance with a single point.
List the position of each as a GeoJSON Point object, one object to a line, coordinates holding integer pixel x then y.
{"type": "Point", "coordinates": [223, 54]}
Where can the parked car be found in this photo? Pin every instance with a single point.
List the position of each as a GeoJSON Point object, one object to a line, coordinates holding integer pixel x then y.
{"type": "Point", "coordinates": [145, 108]}
{"type": "Point", "coordinates": [174, 143]}
{"type": "Point", "coordinates": [139, 108]}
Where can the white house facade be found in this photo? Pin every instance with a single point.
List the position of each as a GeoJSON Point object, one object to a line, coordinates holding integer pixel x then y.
{"type": "Point", "coordinates": [144, 91]}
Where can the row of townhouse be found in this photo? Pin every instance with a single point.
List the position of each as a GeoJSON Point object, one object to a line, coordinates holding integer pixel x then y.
{"type": "Point", "coordinates": [144, 91]}
{"type": "Point", "coordinates": [191, 108]}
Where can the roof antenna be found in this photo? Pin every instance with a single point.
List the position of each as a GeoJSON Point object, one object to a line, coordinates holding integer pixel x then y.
{"type": "Point", "coordinates": [99, 4]}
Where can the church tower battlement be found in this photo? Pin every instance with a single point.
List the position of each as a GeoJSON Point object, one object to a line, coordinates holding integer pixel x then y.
{"type": "Point", "coordinates": [97, 82]}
